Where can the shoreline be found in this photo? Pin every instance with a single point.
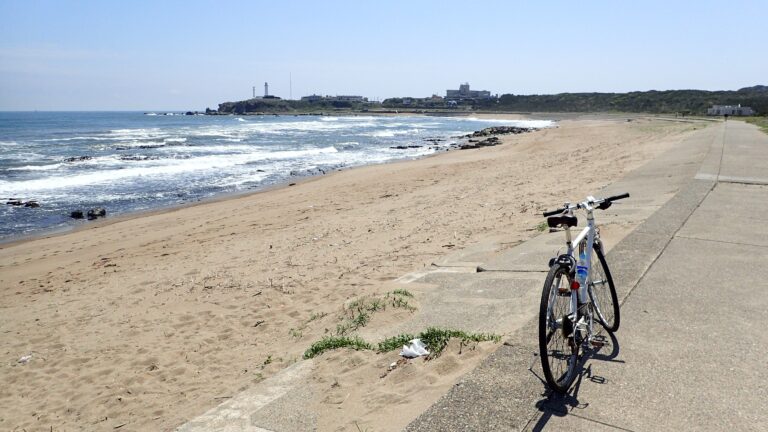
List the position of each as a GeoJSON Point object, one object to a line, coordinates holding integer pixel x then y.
{"type": "Point", "coordinates": [217, 198]}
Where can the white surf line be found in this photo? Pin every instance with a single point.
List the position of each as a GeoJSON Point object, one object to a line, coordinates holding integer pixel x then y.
{"type": "Point", "coordinates": [732, 179]}
{"type": "Point", "coordinates": [235, 414]}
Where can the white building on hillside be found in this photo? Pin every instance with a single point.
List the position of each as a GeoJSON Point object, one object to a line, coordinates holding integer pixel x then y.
{"type": "Point", "coordinates": [464, 93]}
{"type": "Point", "coordinates": [733, 110]}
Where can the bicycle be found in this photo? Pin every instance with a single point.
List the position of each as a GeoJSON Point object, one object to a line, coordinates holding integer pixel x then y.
{"type": "Point", "coordinates": [578, 291]}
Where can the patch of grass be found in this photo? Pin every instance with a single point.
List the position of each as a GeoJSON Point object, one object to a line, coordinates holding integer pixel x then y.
{"type": "Point", "coordinates": [343, 328]}
{"type": "Point", "coordinates": [436, 339]}
{"type": "Point", "coordinates": [334, 342]}
{"type": "Point", "coordinates": [358, 313]}
{"type": "Point", "coordinates": [761, 122]}
{"type": "Point", "coordinates": [361, 319]}
{"type": "Point", "coordinates": [316, 316]}
{"type": "Point", "coordinates": [296, 333]}
{"type": "Point", "coordinates": [542, 226]}
{"type": "Point", "coordinates": [376, 304]}
{"type": "Point", "coordinates": [395, 342]}
{"type": "Point", "coordinates": [398, 299]}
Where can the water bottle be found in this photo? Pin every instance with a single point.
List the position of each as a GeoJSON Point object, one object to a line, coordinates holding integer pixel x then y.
{"type": "Point", "coordinates": [581, 269]}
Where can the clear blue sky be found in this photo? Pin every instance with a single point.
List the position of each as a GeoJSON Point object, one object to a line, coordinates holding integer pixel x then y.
{"type": "Point", "coordinates": [144, 55]}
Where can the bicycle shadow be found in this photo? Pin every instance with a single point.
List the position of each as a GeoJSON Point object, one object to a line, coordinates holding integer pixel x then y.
{"type": "Point", "coordinates": [560, 405]}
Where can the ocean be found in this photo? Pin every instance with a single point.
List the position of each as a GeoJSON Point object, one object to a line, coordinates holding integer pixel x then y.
{"type": "Point", "coordinates": [130, 161]}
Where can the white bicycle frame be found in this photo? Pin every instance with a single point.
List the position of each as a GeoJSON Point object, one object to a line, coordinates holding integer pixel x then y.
{"type": "Point", "coordinates": [590, 233]}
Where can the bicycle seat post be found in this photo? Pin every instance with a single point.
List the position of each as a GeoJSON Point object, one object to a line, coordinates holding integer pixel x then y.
{"type": "Point", "coordinates": [568, 238]}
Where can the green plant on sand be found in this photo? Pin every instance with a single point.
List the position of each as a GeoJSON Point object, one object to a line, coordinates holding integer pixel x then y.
{"type": "Point", "coordinates": [436, 339]}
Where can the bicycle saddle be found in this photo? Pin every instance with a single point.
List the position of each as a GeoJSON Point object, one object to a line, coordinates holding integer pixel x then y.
{"type": "Point", "coordinates": [566, 220]}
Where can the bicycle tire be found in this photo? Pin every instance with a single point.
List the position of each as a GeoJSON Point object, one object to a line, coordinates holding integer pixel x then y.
{"type": "Point", "coordinates": [559, 352]}
{"type": "Point", "coordinates": [604, 300]}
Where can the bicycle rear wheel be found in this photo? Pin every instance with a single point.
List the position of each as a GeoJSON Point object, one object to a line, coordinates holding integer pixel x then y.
{"type": "Point", "coordinates": [602, 292]}
{"type": "Point", "coordinates": [558, 345]}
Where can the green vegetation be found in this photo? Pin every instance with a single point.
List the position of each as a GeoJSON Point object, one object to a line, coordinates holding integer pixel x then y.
{"type": "Point", "coordinates": [289, 106]}
{"type": "Point", "coordinates": [394, 342]}
{"type": "Point", "coordinates": [761, 122]}
{"type": "Point", "coordinates": [316, 316]}
{"type": "Point", "coordinates": [436, 339]}
{"type": "Point", "coordinates": [693, 102]}
{"type": "Point", "coordinates": [358, 313]}
{"type": "Point", "coordinates": [334, 342]}
{"type": "Point", "coordinates": [685, 102]}
{"type": "Point", "coordinates": [542, 226]}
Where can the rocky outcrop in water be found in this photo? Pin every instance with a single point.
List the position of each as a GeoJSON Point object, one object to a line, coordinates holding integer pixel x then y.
{"type": "Point", "coordinates": [97, 212]}
{"type": "Point", "coordinates": [78, 158]}
{"type": "Point", "coordinates": [499, 130]}
{"type": "Point", "coordinates": [138, 158]}
{"type": "Point", "coordinates": [473, 144]}
{"type": "Point", "coordinates": [16, 202]}
{"type": "Point", "coordinates": [91, 214]}
{"type": "Point", "coordinates": [405, 147]}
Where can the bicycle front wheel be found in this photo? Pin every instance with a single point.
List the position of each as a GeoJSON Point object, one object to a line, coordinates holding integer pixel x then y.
{"type": "Point", "coordinates": [602, 292]}
{"type": "Point", "coordinates": [558, 345]}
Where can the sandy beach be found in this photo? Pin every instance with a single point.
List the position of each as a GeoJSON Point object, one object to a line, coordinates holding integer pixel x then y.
{"type": "Point", "coordinates": [144, 323]}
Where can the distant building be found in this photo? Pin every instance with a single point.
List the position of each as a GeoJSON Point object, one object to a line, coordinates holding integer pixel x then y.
{"type": "Point", "coordinates": [733, 110]}
{"type": "Point", "coordinates": [464, 93]}
{"type": "Point", "coordinates": [337, 98]}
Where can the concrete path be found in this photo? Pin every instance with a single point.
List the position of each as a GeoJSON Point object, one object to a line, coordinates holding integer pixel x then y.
{"type": "Point", "coordinates": [692, 352]}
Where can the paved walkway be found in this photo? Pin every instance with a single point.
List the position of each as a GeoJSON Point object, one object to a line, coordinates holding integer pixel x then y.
{"type": "Point", "coordinates": [692, 351]}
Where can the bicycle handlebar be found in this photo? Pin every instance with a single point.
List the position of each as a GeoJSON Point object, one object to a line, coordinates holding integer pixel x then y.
{"type": "Point", "coordinates": [581, 205]}
{"type": "Point", "coordinates": [617, 197]}
{"type": "Point", "coordinates": [554, 212]}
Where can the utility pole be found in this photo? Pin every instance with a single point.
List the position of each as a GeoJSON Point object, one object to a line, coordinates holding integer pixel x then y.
{"type": "Point", "coordinates": [254, 92]}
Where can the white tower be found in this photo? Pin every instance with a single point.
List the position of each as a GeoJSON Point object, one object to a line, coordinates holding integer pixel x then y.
{"type": "Point", "coordinates": [266, 89]}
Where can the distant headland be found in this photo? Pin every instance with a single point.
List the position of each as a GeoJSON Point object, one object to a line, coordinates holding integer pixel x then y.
{"type": "Point", "coordinates": [464, 100]}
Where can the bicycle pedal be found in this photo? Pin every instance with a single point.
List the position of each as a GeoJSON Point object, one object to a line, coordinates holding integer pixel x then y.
{"type": "Point", "coordinates": [597, 344]}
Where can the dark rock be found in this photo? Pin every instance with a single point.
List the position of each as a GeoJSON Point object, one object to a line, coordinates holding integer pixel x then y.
{"type": "Point", "coordinates": [405, 147]}
{"type": "Point", "coordinates": [189, 113]}
{"type": "Point", "coordinates": [96, 213]}
{"type": "Point", "coordinates": [14, 202]}
{"type": "Point", "coordinates": [498, 130]}
{"type": "Point", "coordinates": [489, 142]}
{"type": "Point", "coordinates": [145, 146]}
{"type": "Point", "coordinates": [77, 214]}
{"type": "Point", "coordinates": [78, 159]}
{"type": "Point", "coordinates": [138, 157]}
{"type": "Point", "coordinates": [32, 204]}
